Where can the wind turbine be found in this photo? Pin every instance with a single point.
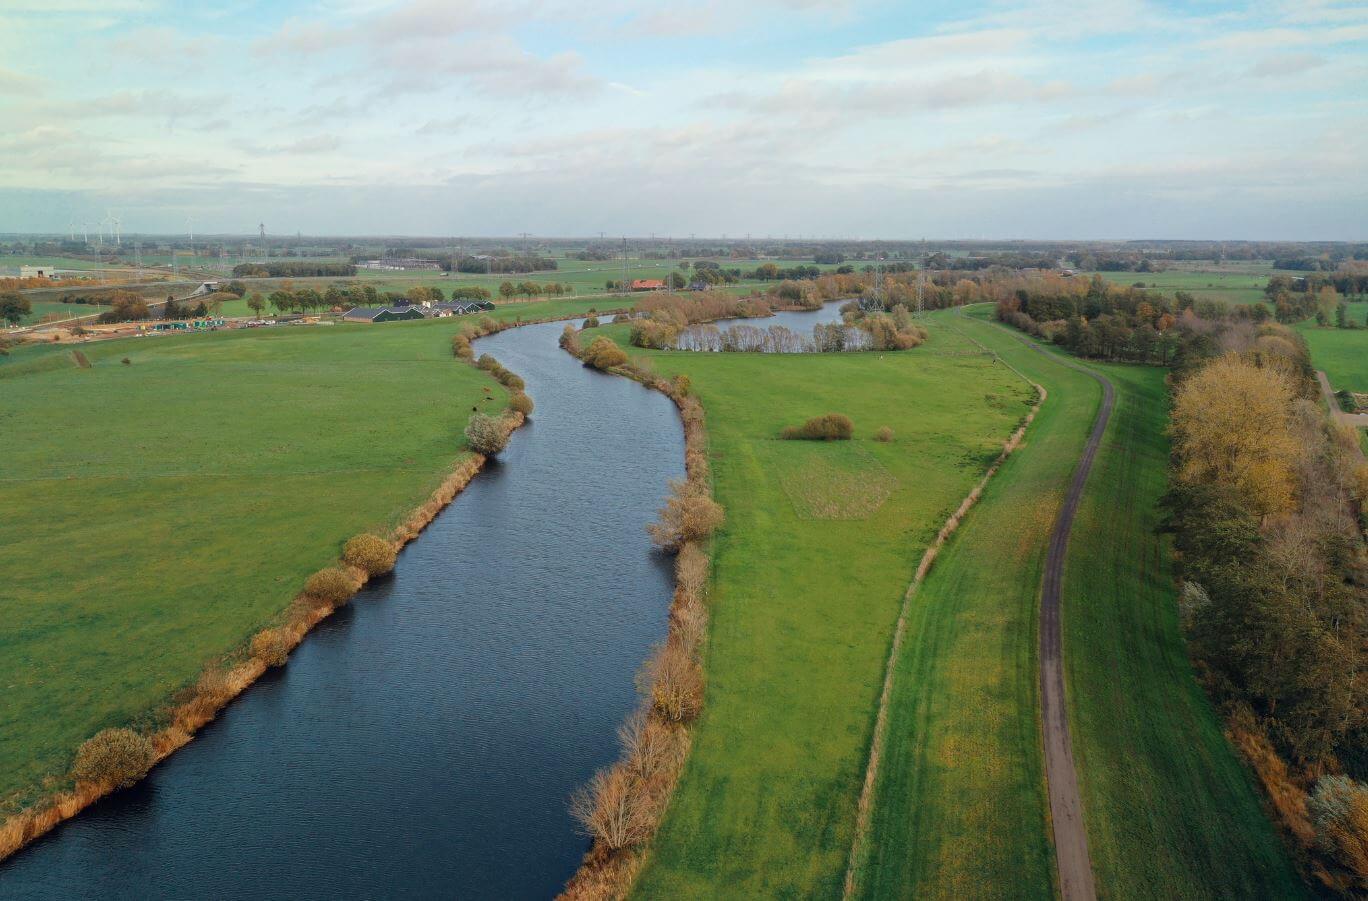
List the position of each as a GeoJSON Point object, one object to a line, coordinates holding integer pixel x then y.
{"type": "Point", "coordinates": [190, 227]}
{"type": "Point", "coordinates": [114, 227]}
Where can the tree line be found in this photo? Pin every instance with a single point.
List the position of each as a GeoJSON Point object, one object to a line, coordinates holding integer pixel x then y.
{"type": "Point", "coordinates": [295, 269]}
{"type": "Point", "coordinates": [1265, 505]}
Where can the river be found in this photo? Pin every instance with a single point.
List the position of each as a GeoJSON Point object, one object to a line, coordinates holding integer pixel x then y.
{"type": "Point", "coordinates": [423, 741]}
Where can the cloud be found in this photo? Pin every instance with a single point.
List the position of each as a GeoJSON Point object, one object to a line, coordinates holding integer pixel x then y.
{"type": "Point", "coordinates": [12, 82]}
{"type": "Point", "coordinates": [897, 97]}
{"type": "Point", "coordinates": [449, 126]}
{"type": "Point", "coordinates": [496, 67]}
{"type": "Point", "coordinates": [312, 144]}
{"type": "Point", "coordinates": [1286, 64]}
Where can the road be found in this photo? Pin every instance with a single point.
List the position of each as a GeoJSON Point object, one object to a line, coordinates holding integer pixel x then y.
{"type": "Point", "coordinates": [1358, 420]}
{"type": "Point", "coordinates": [1066, 804]}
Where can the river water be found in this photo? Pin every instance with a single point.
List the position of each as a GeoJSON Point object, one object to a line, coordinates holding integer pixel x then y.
{"type": "Point", "coordinates": [423, 741]}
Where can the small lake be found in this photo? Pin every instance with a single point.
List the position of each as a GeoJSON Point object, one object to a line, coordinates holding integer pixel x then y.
{"type": "Point", "coordinates": [424, 740]}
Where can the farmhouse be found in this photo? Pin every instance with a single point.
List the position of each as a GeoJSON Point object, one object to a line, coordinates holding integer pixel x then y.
{"type": "Point", "coordinates": [648, 284]}
{"type": "Point", "coordinates": [37, 272]}
{"type": "Point", "coordinates": [383, 314]}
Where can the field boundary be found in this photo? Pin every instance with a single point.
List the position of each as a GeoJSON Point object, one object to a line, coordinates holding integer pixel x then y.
{"type": "Point", "coordinates": [865, 806]}
{"type": "Point", "coordinates": [217, 687]}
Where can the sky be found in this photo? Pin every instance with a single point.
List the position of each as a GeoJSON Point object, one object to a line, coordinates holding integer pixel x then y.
{"type": "Point", "coordinates": [1047, 119]}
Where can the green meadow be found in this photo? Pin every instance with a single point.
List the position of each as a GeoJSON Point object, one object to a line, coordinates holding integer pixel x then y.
{"type": "Point", "coordinates": [1238, 283]}
{"type": "Point", "coordinates": [820, 543]}
{"type": "Point", "coordinates": [158, 512]}
{"type": "Point", "coordinates": [1342, 353]}
{"type": "Point", "coordinates": [960, 807]}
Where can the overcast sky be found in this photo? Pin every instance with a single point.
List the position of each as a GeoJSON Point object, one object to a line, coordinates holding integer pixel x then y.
{"type": "Point", "coordinates": [799, 117]}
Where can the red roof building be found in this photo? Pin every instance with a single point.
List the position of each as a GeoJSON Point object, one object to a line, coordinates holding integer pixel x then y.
{"type": "Point", "coordinates": [648, 284]}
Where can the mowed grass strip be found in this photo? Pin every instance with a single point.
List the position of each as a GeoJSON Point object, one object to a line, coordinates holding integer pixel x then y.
{"type": "Point", "coordinates": [1170, 809]}
{"type": "Point", "coordinates": [960, 808]}
{"type": "Point", "coordinates": [804, 608]}
{"type": "Point", "coordinates": [155, 514]}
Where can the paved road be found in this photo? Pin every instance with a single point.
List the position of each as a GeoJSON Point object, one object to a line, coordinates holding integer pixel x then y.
{"type": "Point", "coordinates": [1066, 804]}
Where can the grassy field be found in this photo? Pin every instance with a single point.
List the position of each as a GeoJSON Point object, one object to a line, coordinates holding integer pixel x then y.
{"type": "Point", "coordinates": [820, 543]}
{"type": "Point", "coordinates": [959, 809]}
{"type": "Point", "coordinates": [156, 513]}
{"type": "Point", "coordinates": [1171, 811]}
{"type": "Point", "coordinates": [1235, 283]}
{"type": "Point", "coordinates": [1342, 353]}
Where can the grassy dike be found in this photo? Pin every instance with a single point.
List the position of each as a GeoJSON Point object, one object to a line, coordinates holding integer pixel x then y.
{"type": "Point", "coordinates": [159, 512]}
{"type": "Point", "coordinates": [1171, 811]}
{"type": "Point", "coordinates": [959, 808]}
{"type": "Point", "coordinates": [820, 543]}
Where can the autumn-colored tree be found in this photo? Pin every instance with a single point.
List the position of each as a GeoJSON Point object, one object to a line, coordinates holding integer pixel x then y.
{"type": "Point", "coordinates": [1231, 425]}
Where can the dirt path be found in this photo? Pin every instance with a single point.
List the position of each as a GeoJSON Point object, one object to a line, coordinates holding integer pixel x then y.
{"type": "Point", "coordinates": [1066, 804]}
{"type": "Point", "coordinates": [1358, 420]}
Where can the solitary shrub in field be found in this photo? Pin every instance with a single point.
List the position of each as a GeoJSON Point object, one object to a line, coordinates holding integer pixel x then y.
{"type": "Point", "coordinates": [331, 585]}
{"type": "Point", "coordinates": [117, 756]}
{"type": "Point", "coordinates": [369, 552]}
{"type": "Point", "coordinates": [604, 353]}
{"type": "Point", "coordinates": [486, 434]}
{"type": "Point", "coordinates": [270, 647]}
{"type": "Point", "coordinates": [884, 434]}
{"type": "Point", "coordinates": [688, 515]}
{"type": "Point", "coordinates": [831, 427]}
{"type": "Point", "coordinates": [675, 683]}
{"type": "Point", "coordinates": [520, 402]}
{"type": "Point", "coordinates": [615, 808]}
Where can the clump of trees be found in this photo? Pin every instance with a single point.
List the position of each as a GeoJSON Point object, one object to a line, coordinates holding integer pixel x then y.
{"type": "Point", "coordinates": [828, 427]}
{"type": "Point", "coordinates": [486, 434]}
{"type": "Point", "coordinates": [116, 757]}
{"type": "Point", "coordinates": [1264, 507]}
{"type": "Point", "coordinates": [370, 553]}
{"type": "Point", "coordinates": [604, 353]}
{"type": "Point", "coordinates": [125, 306]}
{"type": "Point", "coordinates": [14, 307]}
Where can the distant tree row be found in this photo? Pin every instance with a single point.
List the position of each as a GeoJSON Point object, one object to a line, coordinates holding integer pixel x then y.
{"type": "Point", "coordinates": [510, 265]}
{"type": "Point", "coordinates": [295, 269]}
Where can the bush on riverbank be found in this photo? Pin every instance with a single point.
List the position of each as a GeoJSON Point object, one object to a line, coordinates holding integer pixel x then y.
{"type": "Point", "coordinates": [331, 585]}
{"type": "Point", "coordinates": [604, 353]}
{"type": "Point", "coordinates": [689, 514]}
{"type": "Point", "coordinates": [270, 647]}
{"type": "Point", "coordinates": [519, 402]}
{"type": "Point", "coordinates": [118, 757]}
{"type": "Point", "coordinates": [371, 553]}
{"type": "Point", "coordinates": [486, 434]}
{"type": "Point", "coordinates": [831, 427]}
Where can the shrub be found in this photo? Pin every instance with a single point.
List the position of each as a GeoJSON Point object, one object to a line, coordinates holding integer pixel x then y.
{"type": "Point", "coordinates": [1339, 809]}
{"type": "Point", "coordinates": [331, 585]}
{"type": "Point", "coordinates": [615, 808]}
{"type": "Point", "coordinates": [511, 380]}
{"type": "Point", "coordinates": [675, 683]}
{"type": "Point", "coordinates": [126, 361]}
{"type": "Point", "coordinates": [270, 647]}
{"type": "Point", "coordinates": [460, 346]}
{"type": "Point", "coordinates": [486, 434]}
{"type": "Point", "coordinates": [591, 322]}
{"type": "Point", "coordinates": [689, 514]}
{"type": "Point", "coordinates": [521, 403]}
{"type": "Point", "coordinates": [369, 552]}
{"type": "Point", "coordinates": [682, 385]}
{"type": "Point", "coordinates": [831, 427]}
{"type": "Point", "coordinates": [487, 363]}
{"type": "Point", "coordinates": [691, 570]}
{"type": "Point", "coordinates": [884, 434]}
{"type": "Point", "coordinates": [604, 353]}
{"type": "Point", "coordinates": [119, 757]}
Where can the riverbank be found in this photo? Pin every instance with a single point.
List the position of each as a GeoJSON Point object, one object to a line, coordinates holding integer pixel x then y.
{"type": "Point", "coordinates": [810, 569]}
{"type": "Point", "coordinates": [220, 681]}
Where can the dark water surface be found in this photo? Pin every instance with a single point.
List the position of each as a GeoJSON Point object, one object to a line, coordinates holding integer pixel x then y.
{"type": "Point", "coordinates": [422, 742]}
